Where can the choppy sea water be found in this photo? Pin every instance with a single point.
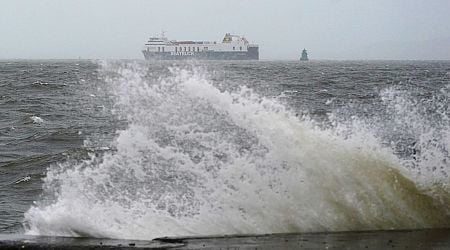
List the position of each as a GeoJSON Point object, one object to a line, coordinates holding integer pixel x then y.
{"type": "Point", "coordinates": [139, 150]}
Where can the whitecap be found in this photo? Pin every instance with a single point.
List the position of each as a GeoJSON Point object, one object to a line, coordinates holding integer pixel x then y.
{"type": "Point", "coordinates": [37, 119]}
{"type": "Point", "coordinates": [23, 179]}
{"type": "Point", "coordinates": [40, 83]}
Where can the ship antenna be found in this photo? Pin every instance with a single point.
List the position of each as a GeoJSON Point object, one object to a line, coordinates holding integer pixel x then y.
{"type": "Point", "coordinates": [163, 33]}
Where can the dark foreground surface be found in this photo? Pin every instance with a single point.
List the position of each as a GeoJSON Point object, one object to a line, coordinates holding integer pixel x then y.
{"type": "Point", "coordinates": [407, 239]}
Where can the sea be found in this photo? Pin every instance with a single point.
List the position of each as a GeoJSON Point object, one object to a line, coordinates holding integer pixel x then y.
{"type": "Point", "coordinates": [137, 150]}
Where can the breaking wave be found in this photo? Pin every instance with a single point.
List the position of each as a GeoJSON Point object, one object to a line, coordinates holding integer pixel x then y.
{"type": "Point", "coordinates": [36, 119]}
{"type": "Point", "coordinates": [196, 160]}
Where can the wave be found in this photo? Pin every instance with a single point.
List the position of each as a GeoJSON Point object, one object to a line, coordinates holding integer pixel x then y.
{"type": "Point", "coordinates": [196, 160]}
{"type": "Point", "coordinates": [36, 119]}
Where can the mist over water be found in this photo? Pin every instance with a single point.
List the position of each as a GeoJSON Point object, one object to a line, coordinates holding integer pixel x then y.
{"type": "Point", "coordinates": [202, 152]}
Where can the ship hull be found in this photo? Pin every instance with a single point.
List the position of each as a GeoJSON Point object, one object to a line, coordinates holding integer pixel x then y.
{"type": "Point", "coordinates": [251, 54]}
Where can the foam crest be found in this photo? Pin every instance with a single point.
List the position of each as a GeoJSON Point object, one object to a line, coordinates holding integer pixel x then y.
{"type": "Point", "coordinates": [426, 121]}
{"type": "Point", "coordinates": [36, 119]}
{"type": "Point", "coordinates": [195, 160]}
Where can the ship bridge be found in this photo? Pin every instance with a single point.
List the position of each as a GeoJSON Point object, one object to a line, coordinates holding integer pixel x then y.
{"type": "Point", "coordinates": [158, 41]}
{"type": "Point", "coordinates": [234, 39]}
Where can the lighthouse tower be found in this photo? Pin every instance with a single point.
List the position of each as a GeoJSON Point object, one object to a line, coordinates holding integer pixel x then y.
{"type": "Point", "coordinates": [304, 56]}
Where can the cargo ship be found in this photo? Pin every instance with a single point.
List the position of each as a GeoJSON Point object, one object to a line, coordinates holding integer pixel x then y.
{"type": "Point", "coordinates": [232, 47]}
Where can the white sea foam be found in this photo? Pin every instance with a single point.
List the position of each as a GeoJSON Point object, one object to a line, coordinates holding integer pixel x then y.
{"type": "Point", "coordinates": [40, 83]}
{"type": "Point", "coordinates": [36, 119]}
{"type": "Point", "coordinates": [23, 179]}
{"type": "Point", "coordinates": [197, 160]}
{"type": "Point", "coordinates": [427, 122]}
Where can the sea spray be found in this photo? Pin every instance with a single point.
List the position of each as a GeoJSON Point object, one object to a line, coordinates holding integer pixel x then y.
{"type": "Point", "coordinates": [196, 160]}
{"type": "Point", "coordinates": [426, 121]}
{"type": "Point", "coordinates": [415, 126]}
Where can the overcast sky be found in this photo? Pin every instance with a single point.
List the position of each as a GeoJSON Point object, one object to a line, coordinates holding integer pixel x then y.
{"type": "Point", "coordinates": [329, 29]}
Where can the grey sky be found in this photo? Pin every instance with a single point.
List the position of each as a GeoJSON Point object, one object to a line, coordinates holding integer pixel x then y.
{"type": "Point", "coordinates": [329, 29]}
